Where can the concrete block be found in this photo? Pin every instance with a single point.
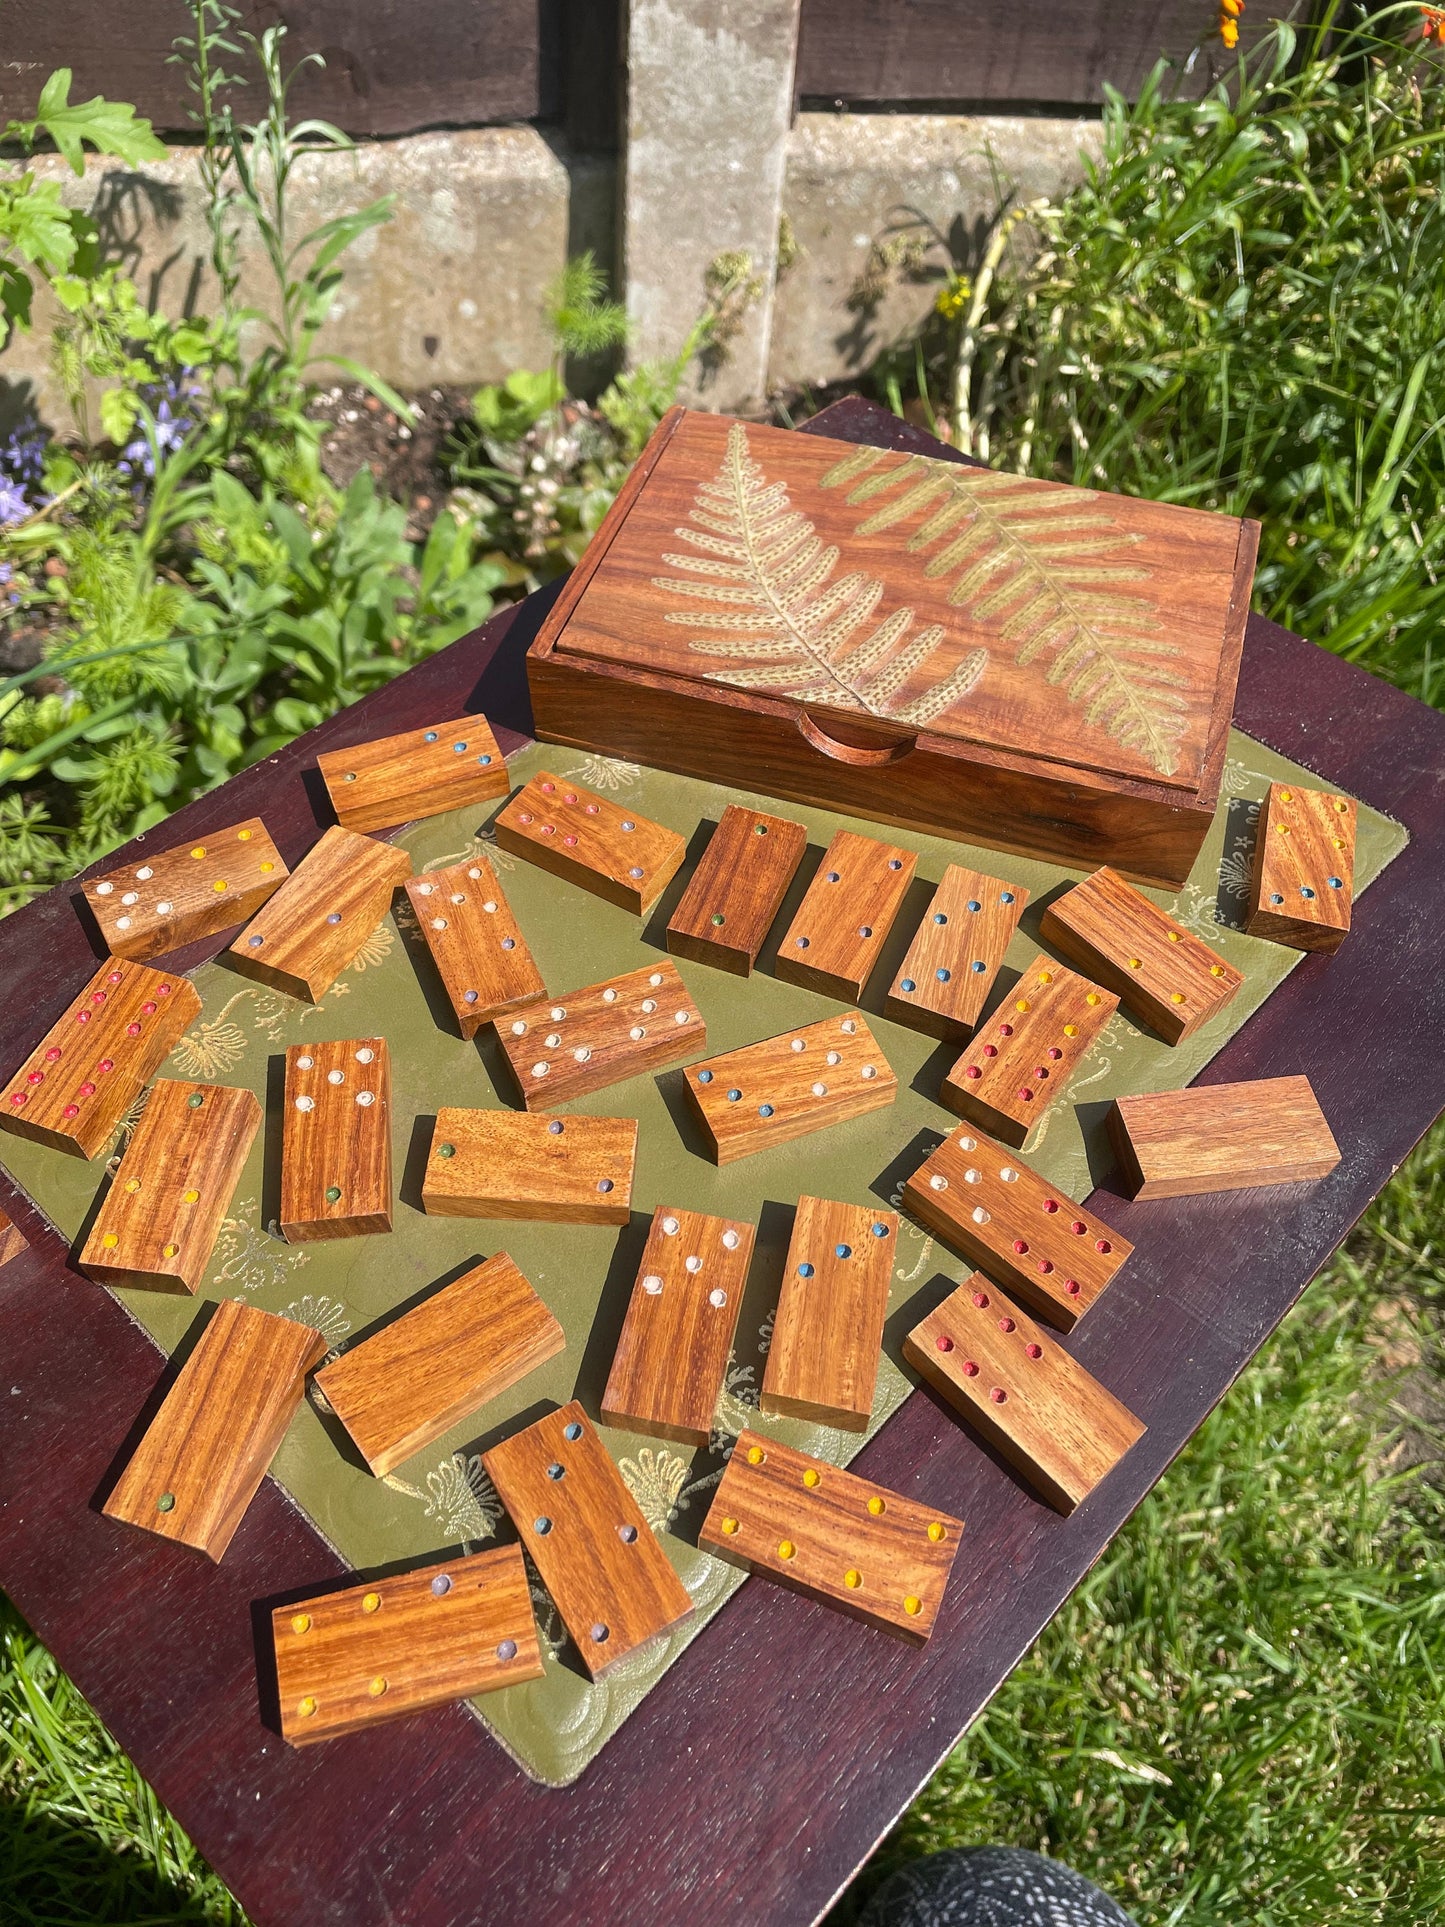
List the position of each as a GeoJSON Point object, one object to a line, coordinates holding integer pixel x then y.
{"type": "Point", "coordinates": [857, 182]}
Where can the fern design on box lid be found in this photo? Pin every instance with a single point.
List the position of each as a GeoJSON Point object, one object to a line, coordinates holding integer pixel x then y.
{"type": "Point", "coordinates": [1037, 564]}
{"type": "Point", "coordinates": [772, 583]}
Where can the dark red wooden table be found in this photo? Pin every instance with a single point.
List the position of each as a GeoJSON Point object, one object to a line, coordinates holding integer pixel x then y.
{"type": "Point", "coordinates": [760, 1772]}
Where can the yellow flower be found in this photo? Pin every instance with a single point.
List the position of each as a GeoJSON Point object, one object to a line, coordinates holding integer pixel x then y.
{"type": "Point", "coordinates": [952, 300]}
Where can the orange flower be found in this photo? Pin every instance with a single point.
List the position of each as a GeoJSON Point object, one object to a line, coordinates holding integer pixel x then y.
{"type": "Point", "coordinates": [1229, 12]}
{"type": "Point", "coordinates": [1432, 24]}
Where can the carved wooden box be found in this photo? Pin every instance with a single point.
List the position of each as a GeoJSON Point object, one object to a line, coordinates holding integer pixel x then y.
{"type": "Point", "coordinates": [918, 642]}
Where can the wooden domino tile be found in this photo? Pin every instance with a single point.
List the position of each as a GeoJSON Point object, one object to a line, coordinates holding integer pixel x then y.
{"type": "Point", "coordinates": [480, 954]}
{"type": "Point", "coordinates": [828, 1332]}
{"type": "Point", "coordinates": [610, 1580]}
{"type": "Point", "coordinates": [439, 1362]}
{"type": "Point", "coordinates": [1023, 1392]}
{"type": "Point", "coordinates": [207, 1449]}
{"type": "Point", "coordinates": [752, 1099]}
{"type": "Point", "coordinates": [1221, 1137]}
{"type": "Point", "coordinates": [336, 1140]}
{"type": "Point", "coordinates": [843, 921]}
{"type": "Point", "coordinates": [737, 890]}
{"type": "Point", "coordinates": [590, 1038]}
{"type": "Point", "coordinates": [952, 962]}
{"type": "Point", "coordinates": [12, 1239]}
{"type": "Point", "coordinates": [509, 1164]}
{"type": "Point", "coordinates": [852, 1544]}
{"type": "Point", "coordinates": [158, 1223]}
{"type": "Point", "coordinates": [321, 916]}
{"type": "Point", "coordinates": [448, 1631]}
{"type": "Point", "coordinates": [422, 772]}
{"type": "Point", "coordinates": [672, 1357]}
{"type": "Point", "coordinates": [92, 1064]}
{"type": "Point", "coordinates": [591, 841]}
{"type": "Point", "coordinates": [991, 1207]}
{"type": "Point", "coordinates": [194, 890]}
{"type": "Point", "coordinates": [1303, 881]}
{"type": "Point", "coordinates": [1021, 1060]}
{"type": "Point", "coordinates": [1162, 973]}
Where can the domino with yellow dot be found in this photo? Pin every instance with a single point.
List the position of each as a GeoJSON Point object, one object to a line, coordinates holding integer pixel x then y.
{"type": "Point", "coordinates": [1021, 1057]}
{"type": "Point", "coordinates": [158, 1223]}
{"type": "Point", "coordinates": [1164, 975]}
{"type": "Point", "coordinates": [1303, 880]}
{"type": "Point", "coordinates": [350, 1659]}
{"type": "Point", "coordinates": [852, 1544]}
{"type": "Point", "coordinates": [155, 904]}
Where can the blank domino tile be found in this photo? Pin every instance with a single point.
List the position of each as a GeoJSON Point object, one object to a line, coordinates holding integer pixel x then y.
{"type": "Point", "coordinates": [843, 921]}
{"type": "Point", "coordinates": [737, 890]}
{"type": "Point", "coordinates": [509, 1164]}
{"type": "Point", "coordinates": [1304, 868]}
{"type": "Point", "coordinates": [1221, 1137]}
{"type": "Point", "coordinates": [321, 916]}
{"type": "Point", "coordinates": [828, 1332]}
{"type": "Point", "coordinates": [92, 1064]}
{"type": "Point", "coordinates": [336, 1140]}
{"type": "Point", "coordinates": [672, 1357]}
{"type": "Point", "coordinates": [175, 896]}
{"type": "Point", "coordinates": [480, 954]}
{"type": "Point", "coordinates": [611, 851]}
{"type": "Point", "coordinates": [854, 1545]}
{"type": "Point", "coordinates": [987, 1204]}
{"type": "Point", "coordinates": [207, 1448]}
{"type": "Point", "coordinates": [954, 958]}
{"type": "Point", "coordinates": [422, 772]}
{"type": "Point", "coordinates": [1028, 1397]}
{"type": "Point", "coordinates": [609, 1578]}
{"type": "Point", "coordinates": [590, 1038]}
{"type": "Point", "coordinates": [804, 1080]}
{"type": "Point", "coordinates": [1020, 1061]}
{"type": "Point", "coordinates": [1163, 974]}
{"type": "Point", "coordinates": [450, 1631]}
{"type": "Point", "coordinates": [438, 1363]}
{"type": "Point", "coordinates": [158, 1223]}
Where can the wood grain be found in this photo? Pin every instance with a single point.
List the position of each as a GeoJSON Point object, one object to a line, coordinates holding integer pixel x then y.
{"type": "Point", "coordinates": [828, 1331]}
{"type": "Point", "coordinates": [944, 981]}
{"type": "Point", "coordinates": [316, 923]}
{"type": "Point", "coordinates": [1302, 884]}
{"type": "Point", "coordinates": [1000, 1214]}
{"type": "Point", "coordinates": [803, 1080]}
{"type": "Point", "coordinates": [501, 1164]}
{"type": "Point", "coordinates": [1021, 1060]}
{"type": "Point", "coordinates": [591, 841]}
{"type": "Point", "coordinates": [12, 1239]}
{"type": "Point", "coordinates": [1022, 1392]}
{"type": "Point", "coordinates": [448, 1631]}
{"type": "Point", "coordinates": [157, 1225]}
{"type": "Point", "coordinates": [1162, 973]}
{"type": "Point", "coordinates": [1221, 1137]}
{"type": "Point", "coordinates": [671, 1359]}
{"type": "Point", "coordinates": [843, 921]}
{"type": "Point", "coordinates": [854, 1545]}
{"type": "Point", "coordinates": [207, 1449]}
{"type": "Point", "coordinates": [610, 1580]}
{"type": "Point", "coordinates": [439, 1362]}
{"type": "Point", "coordinates": [336, 1140]}
{"type": "Point", "coordinates": [622, 1027]}
{"type": "Point", "coordinates": [419, 773]}
{"type": "Point", "coordinates": [92, 1064]}
{"type": "Point", "coordinates": [737, 889]}
{"type": "Point", "coordinates": [481, 956]}
{"type": "Point", "coordinates": [193, 890]}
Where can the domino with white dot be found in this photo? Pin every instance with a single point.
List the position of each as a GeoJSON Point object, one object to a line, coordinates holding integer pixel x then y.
{"type": "Point", "coordinates": [336, 1140]}
{"type": "Point", "coordinates": [156, 903]}
{"type": "Point", "coordinates": [804, 1080]}
{"type": "Point", "coordinates": [480, 953]}
{"type": "Point", "coordinates": [672, 1356]}
{"type": "Point", "coordinates": [622, 1027]}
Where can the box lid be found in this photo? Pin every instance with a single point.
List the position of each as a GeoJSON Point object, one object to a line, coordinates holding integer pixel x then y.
{"type": "Point", "coordinates": [923, 595]}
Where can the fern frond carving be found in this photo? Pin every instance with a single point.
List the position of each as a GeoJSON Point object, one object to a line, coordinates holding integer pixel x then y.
{"type": "Point", "coordinates": [1042, 565]}
{"type": "Point", "coordinates": [782, 616]}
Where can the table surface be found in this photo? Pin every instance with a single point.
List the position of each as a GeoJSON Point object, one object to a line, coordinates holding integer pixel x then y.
{"type": "Point", "coordinates": [763, 1768]}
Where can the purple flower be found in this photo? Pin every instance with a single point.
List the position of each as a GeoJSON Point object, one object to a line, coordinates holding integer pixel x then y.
{"type": "Point", "coordinates": [22, 453]}
{"type": "Point", "coordinates": [13, 504]}
{"type": "Point", "coordinates": [172, 426]}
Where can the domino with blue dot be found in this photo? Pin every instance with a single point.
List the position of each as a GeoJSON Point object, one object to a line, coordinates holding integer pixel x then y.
{"type": "Point", "coordinates": [944, 982]}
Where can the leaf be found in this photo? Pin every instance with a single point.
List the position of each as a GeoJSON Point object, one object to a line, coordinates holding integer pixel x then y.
{"type": "Point", "coordinates": [118, 407]}
{"type": "Point", "coordinates": [1040, 566]}
{"type": "Point", "coordinates": [772, 584]}
{"type": "Point", "coordinates": [110, 126]}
